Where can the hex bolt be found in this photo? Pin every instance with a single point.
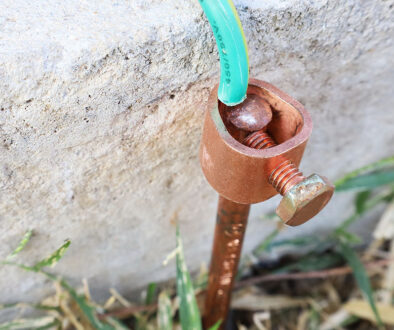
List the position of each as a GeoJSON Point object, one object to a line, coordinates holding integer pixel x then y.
{"type": "Point", "coordinates": [303, 197]}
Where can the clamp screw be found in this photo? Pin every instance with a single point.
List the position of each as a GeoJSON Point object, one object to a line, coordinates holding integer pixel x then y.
{"type": "Point", "coordinates": [285, 175]}
{"type": "Point", "coordinates": [303, 197]}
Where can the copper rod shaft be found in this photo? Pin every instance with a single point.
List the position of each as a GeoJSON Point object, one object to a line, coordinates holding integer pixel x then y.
{"type": "Point", "coordinates": [227, 245]}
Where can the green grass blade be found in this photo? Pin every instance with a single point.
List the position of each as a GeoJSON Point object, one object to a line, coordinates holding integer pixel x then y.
{"type": "Point", "coordinates": [297, 241]}
{"type": "Point", "coordinates": [360, 275]}
{"type": "Point", "coordinates": [266, 243]}
{"type": "Point", "coordinates": [116, 324]}
{"type": "Point", "coordinates": [25, 239]}
{"type": "Point", "coordinates": [216, 325]}
{"type": "Point", "coordinates": [150, 293]}
{"type": "Point", "coordinates": [368, 204]}
{"type": "Point", "coordinates": [33, 323]}
{"type": "Point", "coordinates": [188, 309]}
{"type": "Point", "coordinates": [49, 261]}
{"type": "Point", "coordinates": [53, 258]}
{"type": "Point", "coordinates": [381, 164]}
{"type": "Point", "coordinates": [29, 305]}
{"type": "Point", "coordinates": [349, 321]}
{"type": "Point", "coordinates": [164, 315]}
{"type": "Point", "coordinates": [88, 310]}
{"type": "Point", "coordinates": [361, 200]}
{"type": "Point", "coordinates": [347, 236]}
{"type": "Point", "coordinates": [311, 262]}
{"type": "Point", "coordinates": [368, 181]}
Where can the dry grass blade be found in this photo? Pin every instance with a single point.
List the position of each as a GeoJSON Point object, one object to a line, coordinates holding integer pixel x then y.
{"type": "Point", "coordinates": [253, 299]}
{"type": "Point", "coordinates": [260, 318]}
{"type": "Point", "coordinates": [385, 231]}
{"type": "Point", "coordinates": [363, 310]}
{"type": "Point", "coordinates": [385, 227]}
{"type": "Point", "coordinates": [45, 322]}
{"type": "Point", "coordinates": [110, 302]}
{"type": "Point", "coordinates": [302, 322]}
{"type": "Point", "coordinates": [120, 298]}
{"type": "Point", "coordinates": [334, 321]}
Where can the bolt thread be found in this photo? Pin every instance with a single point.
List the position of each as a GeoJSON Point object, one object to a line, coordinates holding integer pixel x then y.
{"type": "Point", "coordinates": [259, 140]}
{"type": "Point", "coordinates": [286, 174]}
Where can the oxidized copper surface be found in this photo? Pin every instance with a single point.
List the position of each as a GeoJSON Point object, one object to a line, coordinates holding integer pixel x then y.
{"type": "Point", "coordinates": [238, 172]}
{"type": "Point", "coordinates": [304, 200]}
{"type": "Point", "coordinates": [229, 233]}
{"type": "Point", "coordinates": [251, 115]}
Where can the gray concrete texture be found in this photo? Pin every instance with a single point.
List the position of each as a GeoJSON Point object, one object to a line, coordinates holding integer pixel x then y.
{"type": "Point", "coordinates": [101, 111]}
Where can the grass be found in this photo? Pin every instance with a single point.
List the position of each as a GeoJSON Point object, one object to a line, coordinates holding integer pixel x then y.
{"type": "Point", "coordinates": [313, 291]}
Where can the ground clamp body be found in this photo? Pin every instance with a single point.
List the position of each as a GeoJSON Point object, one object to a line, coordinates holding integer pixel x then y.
{"type": "Point", "coordinates": [239, 173]}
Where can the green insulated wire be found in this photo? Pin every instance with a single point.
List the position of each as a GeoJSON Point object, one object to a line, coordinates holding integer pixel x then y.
{"type": "Point", "coordinates": [233, 51]}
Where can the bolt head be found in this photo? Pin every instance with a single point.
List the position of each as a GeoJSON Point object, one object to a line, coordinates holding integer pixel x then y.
{"type": "Point", "coordinates": [306, 199]}
{"type": "Point", "coordinates": [251, 115]}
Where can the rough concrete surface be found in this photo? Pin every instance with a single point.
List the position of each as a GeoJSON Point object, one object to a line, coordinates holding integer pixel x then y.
{"type": "Point", "coordinates": [101, 107]}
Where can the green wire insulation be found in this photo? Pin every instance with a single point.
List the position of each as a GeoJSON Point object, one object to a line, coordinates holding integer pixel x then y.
{"type": "Point", "coordinates": [233, 51]}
